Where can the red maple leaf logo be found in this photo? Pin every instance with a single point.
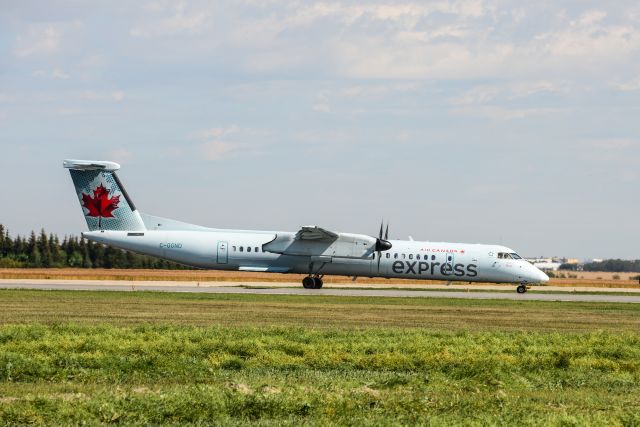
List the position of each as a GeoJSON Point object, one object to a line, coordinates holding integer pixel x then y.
{"type": "Point", "coordinates": [100, 205]}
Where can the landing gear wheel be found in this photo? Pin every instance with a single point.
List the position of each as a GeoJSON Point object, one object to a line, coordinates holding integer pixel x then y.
{"type": "Point", "coordinates": [317, 283]}
{"type": "Point", "coordinates": [521, 289]}
{"type": "Point", "coordinates": [308, 283]}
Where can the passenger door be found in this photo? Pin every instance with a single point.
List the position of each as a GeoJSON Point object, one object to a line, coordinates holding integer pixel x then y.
{"type": "Point", "coordinates": [223, 253]}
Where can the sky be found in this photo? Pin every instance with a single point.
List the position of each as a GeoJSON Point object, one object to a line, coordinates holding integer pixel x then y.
{"type": "Point", "coordinates": [492, 121]}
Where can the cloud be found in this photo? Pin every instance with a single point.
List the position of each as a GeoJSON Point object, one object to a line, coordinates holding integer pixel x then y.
{"type": "Point", "coordinates": [628, 86]}
{"type": "Point", "coordinates": [476, 95]}
{"type": "Point", "coordinates": [217, 150]}
{"type": "Point", "coordinates": [225, 141]}
{"type": "Point", "coordinates": [217, 132]}
{"type": "Point", "coordinates": [55, 73]}
{"type": "Point", "coordinates": [120, 155]}
{"type": "Point", "coordinates": [502, 113]}
{"type": "Point", "coordinates": [485, 94]}
{"type": "Point", "coordinates": [321, 108]}
{"type": "Point", "coordinates": [39, 39]}
{"type": "Point", "coordinates": [180, 20]}
{"type": "Point", "coordinates": [330, 99]}
{"type": "Point", "coordinates": [116, 95]}
{"type": "Point", "coordinates": [68, 111]}
{"type": "Point", "coordinates": [612, 143]}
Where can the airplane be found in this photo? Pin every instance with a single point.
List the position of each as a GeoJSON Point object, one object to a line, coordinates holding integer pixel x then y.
{"type": "Point", "coordinates": [113, 219]}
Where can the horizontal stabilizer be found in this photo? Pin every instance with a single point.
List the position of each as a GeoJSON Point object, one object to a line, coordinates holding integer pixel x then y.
{"type": "Point", "coordinates": [90, 165]}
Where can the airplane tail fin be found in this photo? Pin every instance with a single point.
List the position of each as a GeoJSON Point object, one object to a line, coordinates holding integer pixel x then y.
{"type": "Point", "coordinates": [104, 201]}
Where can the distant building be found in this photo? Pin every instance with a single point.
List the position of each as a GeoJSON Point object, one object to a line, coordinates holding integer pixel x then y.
{"type": "Point", "coordinates": [546, 264]}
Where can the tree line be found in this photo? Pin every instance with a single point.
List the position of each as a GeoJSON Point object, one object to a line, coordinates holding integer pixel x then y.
{"type": "Point", "coordinates": [42, 250]}
{"type": "Point", "coordinates": [48, 251]}
{"type": "Point", "coordinates": [614, 265]}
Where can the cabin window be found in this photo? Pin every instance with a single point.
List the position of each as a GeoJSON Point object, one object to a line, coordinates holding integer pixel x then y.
{"type": "Point", "coordinates": [404, 256]}
{"type": "Point", "coordinates": [388, 255]}
{"type": "Point", "coordinates": [234, 248]}
{"type": "Point", "coordinates": [395, 256]}
{"type": "Point", "coordinates": [418, 256]}
{"type": "Point", "coordinates": [248, 248]}
{"type": "Point", "coordinates": [410, 256]}
{"type": "Point", "coordinates": [256, 249]}
{"type": "Point", "coordinates": [433, 257]}
{"type": "Point", "coordinates": [241, 249]}
{"type": "Point", "coordinates": [449, 258]}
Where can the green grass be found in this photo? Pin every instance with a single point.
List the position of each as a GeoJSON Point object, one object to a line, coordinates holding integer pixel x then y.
{"type": "Point", "coordinates": [508, 289]}
{"type": "Point", "coordinates": [132, 308]}
{"type": "Point", "coordinates": [152, 358]}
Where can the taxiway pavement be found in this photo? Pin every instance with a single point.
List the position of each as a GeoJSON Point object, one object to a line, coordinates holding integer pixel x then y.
{"type": "Point", "coordinates": [536, 294]}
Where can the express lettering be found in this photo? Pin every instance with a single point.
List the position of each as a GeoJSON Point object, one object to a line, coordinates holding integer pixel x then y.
{"type": "Point", "coordinates": [426, 268]}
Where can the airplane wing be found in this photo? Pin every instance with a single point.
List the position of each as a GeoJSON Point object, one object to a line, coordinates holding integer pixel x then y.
{"type": "Point", "coordinates": [316, 233]}
{"type": "Point", "coordinates": [315, 241]}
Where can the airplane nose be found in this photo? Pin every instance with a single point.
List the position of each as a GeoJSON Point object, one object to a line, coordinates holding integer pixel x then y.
{"type": "Point", "coordinates": [543, 276]}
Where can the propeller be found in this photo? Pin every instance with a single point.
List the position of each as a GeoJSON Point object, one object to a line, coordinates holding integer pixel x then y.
{"type": "Point", "coordinates": [382, 244]}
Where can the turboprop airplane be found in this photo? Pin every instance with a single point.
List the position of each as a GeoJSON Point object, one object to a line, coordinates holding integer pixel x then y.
{"type": "Point", "coordinates": [113, 220]}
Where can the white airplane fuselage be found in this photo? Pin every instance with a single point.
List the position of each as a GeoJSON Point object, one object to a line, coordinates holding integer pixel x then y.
{"type": "Point", "coordinates": [246, 251]}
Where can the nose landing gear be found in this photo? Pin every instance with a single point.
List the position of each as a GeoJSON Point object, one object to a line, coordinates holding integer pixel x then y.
{"type": "Point", "coordinates": [522, 288]}
{"type": "Point", "coordinates": [312, 282]}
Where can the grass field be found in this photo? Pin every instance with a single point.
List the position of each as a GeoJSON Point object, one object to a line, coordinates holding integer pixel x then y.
{"type": "Point", "coordinates": [583, 278]}
{"type": "Point", "coordinates": [148, 358]}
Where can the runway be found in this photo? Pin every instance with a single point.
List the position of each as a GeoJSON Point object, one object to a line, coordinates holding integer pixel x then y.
{"type": "Point", "coordinates": [261, 289]}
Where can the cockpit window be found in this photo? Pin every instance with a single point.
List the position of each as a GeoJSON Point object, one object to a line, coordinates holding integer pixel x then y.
{"type": "Point", "coordinates": [505, 255]}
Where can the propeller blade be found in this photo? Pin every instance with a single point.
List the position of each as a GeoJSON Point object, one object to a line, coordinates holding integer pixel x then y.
{"type": "Point", "coordinates": [386, 233]}
{"type": "Point", "coordinates": [381, 225]}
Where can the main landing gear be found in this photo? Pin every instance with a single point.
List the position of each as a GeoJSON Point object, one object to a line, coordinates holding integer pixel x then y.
{"type": "Point", "coordinates": [522, 288]}
{"type": "Point", "coordinates": [312, 282]}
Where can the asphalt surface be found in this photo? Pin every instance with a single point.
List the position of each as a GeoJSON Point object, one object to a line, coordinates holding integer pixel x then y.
{"type": "Point", "coordinates": [80, 285]}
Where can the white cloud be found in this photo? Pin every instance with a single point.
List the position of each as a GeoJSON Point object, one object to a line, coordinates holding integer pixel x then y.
{"type": "Point", "coordinates": [627, 86]}
{"type": "Point", "coordinates": [321, 108]}
{"type": "Point", "coordinates": [476, 95]}
{"type": "Point", "coordinates": [120, 155]}
{"type": "Point", "coordinates": [180, 20]}
{"type": "Point", "coordinates": [217, 150]}
{"type": "Point", "coordinates": [485, 94]}
{"type": "Point", "coordinates": [68, 111]}
{"type": "Point", "coordinates": [502, 113]}
{"type": "Point", "coordinates": [217, 132]}
{"type": "Point", "coordinates": [440, 39]}
{"type": "Point", "coordinates": [116, 95]}
{"type": "Point", "coordinates": [612, 143]}
{"type": "Point", "coordinates": [39, 39]}
{"type": "Point", "coordinates": [222, 142]}
{"type": "Point", "coordinates": [55, 73]}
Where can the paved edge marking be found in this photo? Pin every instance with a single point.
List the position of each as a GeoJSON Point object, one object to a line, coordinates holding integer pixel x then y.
{"type": "Point", "coordinates": [137, 287]}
